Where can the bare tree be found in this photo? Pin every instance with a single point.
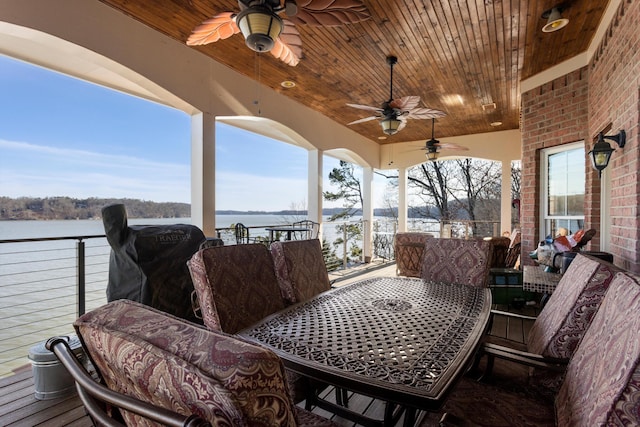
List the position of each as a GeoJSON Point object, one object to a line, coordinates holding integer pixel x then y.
{"type": "Point", "coordinates": [431, 180]}
{"type": "Point", "coordinates": [477, 189]}
{"type": "Point", "coordinates": [516, 179]}
{"type": "Point", "coordinates": [457, 189]}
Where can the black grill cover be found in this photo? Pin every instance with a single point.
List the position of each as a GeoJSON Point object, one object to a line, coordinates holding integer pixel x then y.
{"type": "Point", "coordinates": [148, 263]}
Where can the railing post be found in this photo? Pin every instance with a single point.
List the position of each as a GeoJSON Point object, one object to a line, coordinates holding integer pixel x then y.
{"type": "Point", "coordinates": [81, 297]}
{"type": "Point", "coordinates": [344, 246]}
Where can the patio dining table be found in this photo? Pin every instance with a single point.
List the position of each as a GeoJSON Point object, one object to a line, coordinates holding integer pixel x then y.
{"type": "Point", "coordinates": [288, 229]}
{"type": "Point", "coordinates": [402, 340]}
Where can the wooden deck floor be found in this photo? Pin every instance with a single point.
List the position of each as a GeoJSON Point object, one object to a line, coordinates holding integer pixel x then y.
{"type": "Point", "coordinates": [19, 407]}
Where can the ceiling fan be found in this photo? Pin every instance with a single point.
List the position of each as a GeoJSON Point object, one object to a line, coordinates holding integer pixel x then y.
{"type": "Point", "coordinates": [433, 146]}
{"type": "Point", "coordinates": [394, 113]}
{"type": "Point", "coordinates": [265, 31]}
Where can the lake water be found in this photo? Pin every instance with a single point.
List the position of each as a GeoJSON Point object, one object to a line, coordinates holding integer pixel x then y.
{"type": "Point", "coordinates": [61, 228]}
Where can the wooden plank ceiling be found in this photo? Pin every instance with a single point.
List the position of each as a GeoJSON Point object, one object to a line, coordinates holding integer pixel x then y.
{"type": "Point", "coordinates": [456, 55]}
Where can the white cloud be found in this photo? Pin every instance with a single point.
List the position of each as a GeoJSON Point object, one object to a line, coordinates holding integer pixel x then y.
{"type": "Point", "coordinates": [30, 170]}
{"type": "Point", "coordinates": [42, 171]}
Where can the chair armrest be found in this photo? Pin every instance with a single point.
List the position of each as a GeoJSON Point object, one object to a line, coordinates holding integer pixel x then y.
{"type": "Point", "coordinates": [450, 420]}
{"type": "Point", "coordinates": [90, 389]}
{"type": "Point", "coordinates": [512, 315]}
{"type": "Point", "coordinates": [523, 357]}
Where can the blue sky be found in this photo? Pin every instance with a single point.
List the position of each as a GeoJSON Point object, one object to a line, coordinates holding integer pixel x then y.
{"type": "Point", "coordinates": [60, 136]}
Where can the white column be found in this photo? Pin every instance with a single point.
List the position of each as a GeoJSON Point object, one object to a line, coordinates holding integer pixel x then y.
{"type": "Point", "coordinates": [505, 200]}
{"type": "Point", "coordinates": [402, 199]}
{"type": "Point", "coordinates": [203, 173]}
{"type": "Point", "coordinates": [367, 213]}
{"type": "Point", "coordinates": [314, 189]}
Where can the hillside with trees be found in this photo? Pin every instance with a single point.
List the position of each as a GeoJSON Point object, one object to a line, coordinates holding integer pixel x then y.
{"type": "Point", "coordinates": [48, 208]}
{"type": "Point", "coordinates": [30, 208]}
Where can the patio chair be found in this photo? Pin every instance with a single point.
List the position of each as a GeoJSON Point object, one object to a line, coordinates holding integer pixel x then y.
{"type": "Point", "coordinates": [242, 234]}
{"type": "Point", "coordinates": [561, 325]}
{"type": "Point", "coordinates": [457, 261]}
{"type": "Point", "coordinates": [160, 369]}
{"type": "Point", "coordinates": [235, 286]}
{"type": "Point", "coordinates": [409, 248]}
{"type": "Point", "coordinates": [313, 228]}
{"type": "Point", "coordinates": [600, 387]}
{"type": "Point", "coordinates": [513, 253]}
{"type": "Point", "coordinates": [500, 247]}
{"type": "Point", "coordinates": [300, 269]}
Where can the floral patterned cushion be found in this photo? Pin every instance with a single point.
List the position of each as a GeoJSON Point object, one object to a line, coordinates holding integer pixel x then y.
{"type": "Point", "coordinates": [457, 261]}
{"type": "Point", "coordinates": [236, 286]}
{"type": "Point", "coordinates": [166, 361]}
{"type": "Point", "coordinates": [561, 325]}
{"type": "Point", "coordinates": [300, 269]}
{"type": "Point", "coordinates": [602, 382]}
{"type": "Point", "coordinates": [408, 249]}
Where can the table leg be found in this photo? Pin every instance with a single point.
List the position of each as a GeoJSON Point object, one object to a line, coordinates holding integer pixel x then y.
{"type": "Point", "coordinates": [409, 417]}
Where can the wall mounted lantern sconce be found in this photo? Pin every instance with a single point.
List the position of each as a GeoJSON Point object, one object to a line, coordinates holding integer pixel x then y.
{"type": "Point", "coordinates": [601, 153]}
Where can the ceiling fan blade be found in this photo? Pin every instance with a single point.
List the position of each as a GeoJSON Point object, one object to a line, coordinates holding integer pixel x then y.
{"type": "Point", "coordinates": [288, 47]}
{"type": "Point", "coordinates": [220, 27]}
{"type": "Point", "coordinates": [425, 113]}
{"type": "Point", "coordinates": [451, 146]}
{"type": "Point", "coordinates": [405, 103]}
{"type": "Point", "coordinates": [330, 13]}
{"type": "Point", "coordinates": [366, 119]}
{"type": "Point", "coordinates": [366, 107]}
{"type": "Point", "coordinates": [403, 122]}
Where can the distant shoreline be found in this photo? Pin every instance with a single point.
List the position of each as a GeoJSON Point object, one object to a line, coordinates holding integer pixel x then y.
{"type": "Point", "coordinates": [67, 208]}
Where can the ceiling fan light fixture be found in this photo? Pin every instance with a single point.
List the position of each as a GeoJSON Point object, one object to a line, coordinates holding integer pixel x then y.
{"type": "Point", "coordinates": [260, 27]}
{"type": "Point", "coordinates": [432, 154]}
{"type": "Point", "coordinates": [555, 21]}
{"type": "Point", "coordinates": [390, 125]}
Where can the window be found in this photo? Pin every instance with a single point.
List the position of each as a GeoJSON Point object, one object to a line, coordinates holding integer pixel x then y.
{"type": "Point", "coordinates": [563, 178]}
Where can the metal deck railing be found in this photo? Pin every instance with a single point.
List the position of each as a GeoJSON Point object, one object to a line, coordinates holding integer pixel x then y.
{"type": "Point", "coordinates": [46, 283]}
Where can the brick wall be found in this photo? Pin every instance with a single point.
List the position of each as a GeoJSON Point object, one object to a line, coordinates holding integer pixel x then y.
{"type": "Point", "coordinates": [614, 89]}
{"type": "Point", "coordinates": [576, 107]}
{"type": "Point", "coordinates": [552, 114]}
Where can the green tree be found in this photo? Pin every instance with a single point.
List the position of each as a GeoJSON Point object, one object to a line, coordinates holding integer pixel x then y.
{"type": "Point", "coordinates": [349, 190]}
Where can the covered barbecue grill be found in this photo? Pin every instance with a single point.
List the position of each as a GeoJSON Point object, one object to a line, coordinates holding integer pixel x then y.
{"type": "Point", "coordinates": [148, 263]}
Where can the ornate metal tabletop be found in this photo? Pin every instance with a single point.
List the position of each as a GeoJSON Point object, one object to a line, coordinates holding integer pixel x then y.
{"type": "Point", "coordinates": [399, 339]}
{"type": "Point", "coordinates": [535, 279]}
